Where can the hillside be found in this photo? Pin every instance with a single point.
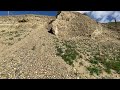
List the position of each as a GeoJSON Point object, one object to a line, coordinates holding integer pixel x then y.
{"type": "Point", "coordinates": [112, 26]}
{"type": "Point", "coordinates": [71, 46]}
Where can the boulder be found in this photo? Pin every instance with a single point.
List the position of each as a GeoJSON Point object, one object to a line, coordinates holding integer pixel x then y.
{"type": "Point", "coordinates": [72, 24]}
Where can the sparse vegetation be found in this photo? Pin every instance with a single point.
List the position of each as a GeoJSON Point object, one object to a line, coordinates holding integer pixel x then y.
{"type": "Point", "coordinates": [19, 39]}
{"type": "Point", "coordinates": [3, 31]}
{"type": "Point", "coordinates": [105, 55]}
{"type": "Point", "coordinates": [94, 70]}
{"type": "Point", "coordinates": [108, 61]}
{"type": "Point", "coordinates": [94, 61]}
{"type": "Point", "coordinates": [112, 25]}
{"type": "Point", "coordinates": [43, 44]}
{"type": "Point", "coordinates": [17, 35]}
{"type": "Point", "coordinates": [115, 65]}
{"type": "Point", "coordinates": [11, 35]}
{"type": "Point", "coordinates": [10, 43]}
{"type": "Point", "coordinates": [69, 53]}
{"type": "Point", "coordinates": [11, 38]}
{"type": "Point", "coordinates": [4, 75]}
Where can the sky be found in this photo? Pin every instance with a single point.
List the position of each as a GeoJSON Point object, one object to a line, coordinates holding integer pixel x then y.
{"type": "Point", "coordinates": [50, 13]}
{"type": "Point", "coordinates": [100, 16]}
{"type": "Point", "coordinates": [103, 16]}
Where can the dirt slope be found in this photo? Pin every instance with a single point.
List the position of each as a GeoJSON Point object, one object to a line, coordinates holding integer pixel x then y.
{"type": "Point", "coordinates": [33, 56]}
{"type": "Point", "coordinates": [67, 47]}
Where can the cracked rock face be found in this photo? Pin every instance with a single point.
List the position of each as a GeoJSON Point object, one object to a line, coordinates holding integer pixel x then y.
{"type": "Point", "coordinates": [72, 24]}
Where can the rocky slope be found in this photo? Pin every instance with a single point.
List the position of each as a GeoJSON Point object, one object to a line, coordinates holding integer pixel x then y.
{"type": "Point", "coordinates": [71, 24]}
{"type": "Point", "coordinates": [34, 46]}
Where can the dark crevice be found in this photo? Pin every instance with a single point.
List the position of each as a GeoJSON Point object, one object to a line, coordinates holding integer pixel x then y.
{"type": "Point", "coordinates": [51, 31]}
{"type": "Point", "coordinates": [51, 21]}
{"type": "Point", "coordinates": [58, 13]}
{"type": "Point", "coordinates": [50, 27]}
{"type": "Point", "coordinates": [50, 24]}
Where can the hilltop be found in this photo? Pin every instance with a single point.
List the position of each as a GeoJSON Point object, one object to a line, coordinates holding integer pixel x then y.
{"type": "Point", "coordinates": [69, 46]}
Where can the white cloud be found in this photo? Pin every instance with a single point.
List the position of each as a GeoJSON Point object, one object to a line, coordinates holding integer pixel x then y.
{"type": "Point", "coordinates": [103, 16]}
{"type": "Point", "coordinates": [82, 11]}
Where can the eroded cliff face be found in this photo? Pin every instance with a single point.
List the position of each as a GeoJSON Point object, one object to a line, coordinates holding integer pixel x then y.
{"type": "Point", "coordinates": [72, 24]}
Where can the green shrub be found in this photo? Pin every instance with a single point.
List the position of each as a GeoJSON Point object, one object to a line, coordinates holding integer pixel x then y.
{"type": "Point", "coordinates": [94, 61]}
{"type": "Point", "coordinates": [94, 70]}
{"type": "Point", "coordinates": [69, 54]}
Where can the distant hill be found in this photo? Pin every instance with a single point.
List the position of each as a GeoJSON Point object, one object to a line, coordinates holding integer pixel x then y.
{"type": "Point", "coordinates": [113, 26]}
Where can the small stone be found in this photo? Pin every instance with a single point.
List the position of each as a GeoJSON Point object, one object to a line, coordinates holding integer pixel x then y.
{"type": "Point", "coordinates": [36, 72]}
{"type": "Point", "coordinates": [78, 77]}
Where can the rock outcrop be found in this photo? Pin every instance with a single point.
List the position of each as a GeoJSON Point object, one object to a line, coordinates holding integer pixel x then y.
{"type": "Point", "coordinates": [71, 24]}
